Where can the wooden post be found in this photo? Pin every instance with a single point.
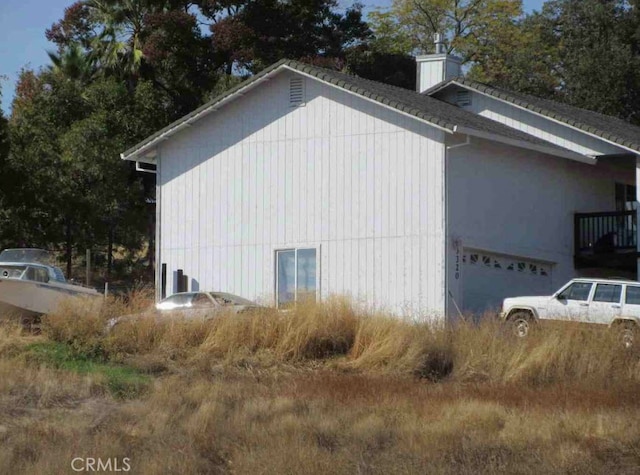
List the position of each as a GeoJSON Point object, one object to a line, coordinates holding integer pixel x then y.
{"type": "Point", "coordinates": [110, 250]}
{"type": "Point", "coordinates": [180, 280]}
{"type": "Point", "coordinates": [69, 246]}
{"type": "Point", "coordinates": [88, 275]}
{"type": "Point", "coordinates": [163, 282]}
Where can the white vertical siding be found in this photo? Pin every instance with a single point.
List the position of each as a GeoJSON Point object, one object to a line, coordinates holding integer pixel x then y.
{"type": "Point", "coordinates": [360, 182]}
{"type": "Point", "coordinates": [521, 203]}
{"type": "Point", "coordinates": [433, 69]}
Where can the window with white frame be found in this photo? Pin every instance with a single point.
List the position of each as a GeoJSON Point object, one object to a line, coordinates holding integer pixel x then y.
{"type": "Point", "coordinates": [296, 271]}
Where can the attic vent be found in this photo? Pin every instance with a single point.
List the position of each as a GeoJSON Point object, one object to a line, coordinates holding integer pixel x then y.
{"type": "Point", "coordinates": [296, 92]}
{"type": "Point", "coordinates": [463, 98]}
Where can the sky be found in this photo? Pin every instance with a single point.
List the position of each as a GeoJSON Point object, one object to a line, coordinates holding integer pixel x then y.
{"type": "Point", "coordinates": [22, 40]}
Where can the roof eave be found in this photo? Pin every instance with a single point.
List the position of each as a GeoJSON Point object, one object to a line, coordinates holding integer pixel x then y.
{"type": "Point", "coordinates": [391, 104]}
{"type": "Point", "coordinates": [547, 149]}
{"type": "Point", "coordinates": [134, 152]}
{"type": "Point", "coordinates": [567, 122]}
{"type": "Point", "coordinates": [440, 86]}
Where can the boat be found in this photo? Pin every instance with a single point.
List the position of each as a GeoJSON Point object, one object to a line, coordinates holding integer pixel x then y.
{"type": "Point", "coordinates": [30, 285]}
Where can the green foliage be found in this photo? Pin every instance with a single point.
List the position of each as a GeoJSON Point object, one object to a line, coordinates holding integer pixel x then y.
{"type": "Point", "coordinates": [583, 52]}
{"type": "Point", "coordinates": [4, 155]}
{"type": "Point", "coordinates": [390, 35]}
{"type": "Point", "coordinates": [599, 56]}
{"type": "Point", "coordinates": [253, 35]}
{"type": "Point", "coordinates": [74, 63]}
{"type": "Point", "coordinates": [122, 382]}
{"type": "Point", "coordinates": [38, 184]}
{"type": "Point", "coordinates": [122, 70]}
{"type": "Point", "coordinates": [408, 26]}
{"type": "Point", "coordinates": [65, 180]}
{"type": "Point", "coordinates": [390, 68]}
{"type": "Point", "coordinates": [522, 60]}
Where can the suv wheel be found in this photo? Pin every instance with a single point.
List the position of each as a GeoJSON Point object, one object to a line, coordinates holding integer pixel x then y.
{"type": "Point", "coordinates": [521, 324]}
{"type": "Point", "coordinates": [627, 334]}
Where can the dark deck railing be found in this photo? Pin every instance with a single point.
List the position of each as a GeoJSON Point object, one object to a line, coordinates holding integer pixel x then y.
{"type": "Point", "coordinates": [604, 233]}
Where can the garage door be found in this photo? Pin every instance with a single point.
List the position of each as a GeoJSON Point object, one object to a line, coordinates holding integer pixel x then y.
{"type": "Point", "coordinates": [490, 278]}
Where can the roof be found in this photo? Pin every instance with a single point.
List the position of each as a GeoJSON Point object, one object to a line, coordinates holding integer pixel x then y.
{"type": "Point", "coordinates": [609, 128]}
{"type": "Point", "coordinates": [438, 113]}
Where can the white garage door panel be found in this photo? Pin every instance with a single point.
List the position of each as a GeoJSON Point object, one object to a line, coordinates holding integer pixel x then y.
{"type": "Point", "coordinates": [490, 278]}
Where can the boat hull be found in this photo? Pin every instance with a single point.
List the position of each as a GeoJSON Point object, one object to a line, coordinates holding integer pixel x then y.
{"type": "Point", "coordinates": [26, 298]}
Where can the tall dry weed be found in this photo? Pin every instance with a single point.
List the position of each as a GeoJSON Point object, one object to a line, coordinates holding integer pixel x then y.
{"type": "Point", "coordinates": [81, 323]}
{"type": "Point", "coordinates": [335, 330]}
{"type": "Point", "coordinates": [388, 344]}
{"type": "Point", "coordinates": [590, 355]}
{"type": "Point", "coordinates": [12, 338]}
{"type": "Point", "coordinates": [307, 331]}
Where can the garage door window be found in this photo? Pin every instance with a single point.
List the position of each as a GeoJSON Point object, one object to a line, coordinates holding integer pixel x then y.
{"type": "Point", "coordinates": [507, 263]}
{"type": "Point", "coordinates": [295, 275]}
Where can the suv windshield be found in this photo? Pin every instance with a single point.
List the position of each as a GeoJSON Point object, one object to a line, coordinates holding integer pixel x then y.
{"type": "Point", "coordinates": [576, 291]}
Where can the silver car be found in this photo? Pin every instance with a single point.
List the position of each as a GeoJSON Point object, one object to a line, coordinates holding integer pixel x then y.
{"type": "Point", "coordinates": [191, 305]}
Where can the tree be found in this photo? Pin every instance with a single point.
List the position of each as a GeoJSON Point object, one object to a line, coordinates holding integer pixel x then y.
{"type": "Point", "coordinates": [468, 25]}
{"type": "Point", "coordinates": [4, 135]}
{"type": "Point", "coordinates": [143, 40]}
{"type": "Point", "coordinates": [260, 33]}
{"type": "Point", "coordinates": [523, 59]}
{"type": "Point", "coordinates": [112, 192]}
{"type": "Point", "coordinates": [4, 155]}
{"type": "Point", "coordinates": [390, 68]}
{"type": "Point", "coordinates": [583, 52]}
{"type": "Point", "coordinates": [77, 26]}
{"type": "Point", "coordinates": [74, 63]}
{"type": "Point", "coordinates": [40, 192]}
{"type": "Point", "coordinates": [179, 59]}
{"type": "Point", "coordinates": [65, 182]}
{"type": "Point", "coordinates": [598, 53]}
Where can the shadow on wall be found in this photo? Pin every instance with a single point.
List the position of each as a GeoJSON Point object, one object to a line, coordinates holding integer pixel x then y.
{"type": "Point", "coordinates": [181, 282]}
{"type": "Point", "coordinates": [240, 121]}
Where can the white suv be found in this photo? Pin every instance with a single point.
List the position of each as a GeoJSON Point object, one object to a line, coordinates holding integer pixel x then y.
{"type": "Point", "coordinates": [615, 303]}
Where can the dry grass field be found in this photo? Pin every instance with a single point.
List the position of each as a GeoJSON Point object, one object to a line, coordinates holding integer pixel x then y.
{"type": "Point", "coordinates": [323, 389]}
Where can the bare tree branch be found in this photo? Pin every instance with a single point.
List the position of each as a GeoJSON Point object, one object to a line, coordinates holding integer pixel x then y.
{"type": "Point", "coordinates": [427, 14]}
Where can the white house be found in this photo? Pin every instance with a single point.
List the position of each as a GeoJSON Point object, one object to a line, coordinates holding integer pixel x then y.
{"type": "Point", "coordinates": [307, 182]}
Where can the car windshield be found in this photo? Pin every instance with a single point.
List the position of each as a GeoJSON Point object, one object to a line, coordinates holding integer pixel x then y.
{"type": "Point", "coordinates": [175, 301]}
{"type": "Point", "coordinates": [229, 299]}
{"type": "Point", "coordinates": [25, 255]}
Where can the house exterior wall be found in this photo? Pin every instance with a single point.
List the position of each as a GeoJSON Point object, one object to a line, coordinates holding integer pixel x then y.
{"type": "Point", "coordinates": [533, 124]}
{"type": "Point", "coordinates": [360, 183]}
{"type": "Point", "coordinates": [520, 203]}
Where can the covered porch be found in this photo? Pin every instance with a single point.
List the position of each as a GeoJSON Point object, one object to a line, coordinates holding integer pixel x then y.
{"type": "Point", "coordinates": [606, 241]}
